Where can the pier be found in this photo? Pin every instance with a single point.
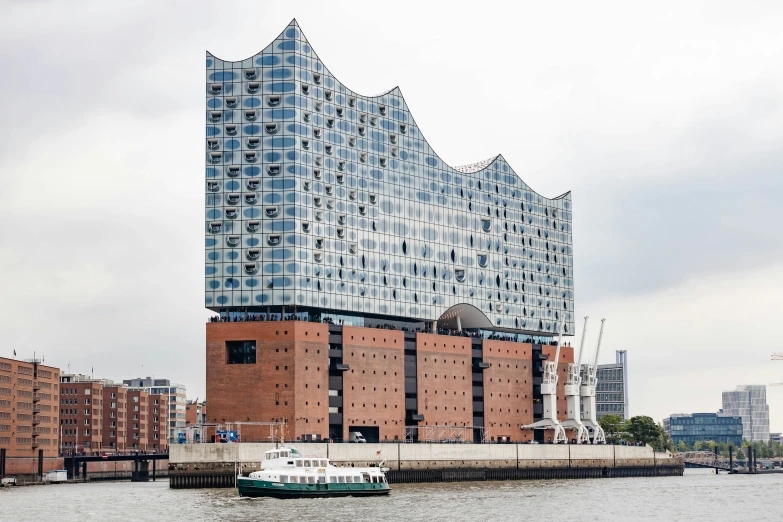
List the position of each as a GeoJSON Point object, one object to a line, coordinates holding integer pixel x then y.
{"type": "Point", "coordinates": [216, 465]}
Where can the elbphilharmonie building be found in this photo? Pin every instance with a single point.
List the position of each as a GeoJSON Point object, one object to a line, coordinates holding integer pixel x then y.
{"type": "Point", "coordinates": [330, 204]}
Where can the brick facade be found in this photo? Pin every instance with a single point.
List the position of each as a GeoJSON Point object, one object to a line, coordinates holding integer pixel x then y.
{"type": "Point", "coordinates": [29, 415]}
{"type": "Point", "coordinates": [444, 380]}
{"type": "Point", "coordinates": [289, 381]}
{"type": "Point", "coordinates": [158, 415]}
{"type": "Point", "coordinates": [81, 413]}
{"type": "Point", "coordinates": [115, 409]}
{"type": "Point", "coordinates": [508, 389]}
{"type": "Point", "coordinates": [137, 419]}
{"type": "Point", "coordinates": [374, 387]}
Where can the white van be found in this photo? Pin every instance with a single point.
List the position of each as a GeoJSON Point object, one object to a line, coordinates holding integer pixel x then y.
{"type": "Point", "coordinates": [355, 436]}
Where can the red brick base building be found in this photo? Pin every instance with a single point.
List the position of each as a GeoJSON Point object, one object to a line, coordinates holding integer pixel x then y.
{"type": "Point", "coordinates": [325, 381]}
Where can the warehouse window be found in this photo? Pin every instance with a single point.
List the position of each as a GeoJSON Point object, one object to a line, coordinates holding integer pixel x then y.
{"type": "Point", "coordinates": [241, 352]}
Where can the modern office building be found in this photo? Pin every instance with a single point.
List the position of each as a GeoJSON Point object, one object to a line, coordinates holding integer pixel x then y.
{"type": "Point", "coordinates": [328, 209]}
{"type": "Point", "coordinates": [776, 437]}
{"type": "Point", "coordinates": [750, 403]}
{"type": "Point", "coordinates": [611, 394]}
{"type": "Point", "coordinates": [176, 402]}
{"type": "Point", "coordinates": [691, 428]}
{"type": "Point", "coordinates": [328, 204]}
{"type": "Point", "coordinates": [29, 417]}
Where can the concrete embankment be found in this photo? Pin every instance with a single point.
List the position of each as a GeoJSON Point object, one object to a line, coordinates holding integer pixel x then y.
{"type": "Point", "coordinates": [214, 465]}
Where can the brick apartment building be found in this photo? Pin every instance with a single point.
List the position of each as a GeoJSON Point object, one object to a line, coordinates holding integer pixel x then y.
{"type": "Point", "coordinates": [195, 413]}
{"type": "Point", "coordinates": [81, 413]}
{"type": "Point", "coordinates": [328, 380]}
{"type": "Point", "coordinates": [101, 415]}
{"type": "Point", "coordinates": [138, 404]}
{"type": "Point", "coordinates": [115, 409]}
{"type": "Point", "coordinates": [29, 416]}
{"type": "Point", "coordinates": [158, 421]}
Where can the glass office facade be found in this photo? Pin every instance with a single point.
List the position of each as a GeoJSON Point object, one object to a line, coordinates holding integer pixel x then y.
{"type": "Point", "coordinates": [321, 199]}
{"type": "Point", "coordinates": [750, 403]}
{"type": "Point", "coordinates": [696, 427]}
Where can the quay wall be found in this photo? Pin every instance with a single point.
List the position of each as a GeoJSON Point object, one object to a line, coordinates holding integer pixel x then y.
{"type": "Point", "coordinates": [25, 469]}
{"type": "Point", "coordinates": [203, 465]}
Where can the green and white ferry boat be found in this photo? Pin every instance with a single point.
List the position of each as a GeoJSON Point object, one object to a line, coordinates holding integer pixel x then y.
{"type": "Point", "coordinates": [286, 473]}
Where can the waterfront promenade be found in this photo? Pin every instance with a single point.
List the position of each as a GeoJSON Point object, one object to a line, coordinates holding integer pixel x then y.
{"type": "Point", "coordinates": [214, 465]}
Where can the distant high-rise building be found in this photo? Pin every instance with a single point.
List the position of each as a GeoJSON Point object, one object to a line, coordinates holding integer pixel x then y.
{"type": "Point", "coordinates": [750, 403]}
{"type": "Point", "coordinates": [611, 393]}
{"type": "Point", "coordinates": [691, 428]}
{"type": "Point", "coordinates": [177, 401]}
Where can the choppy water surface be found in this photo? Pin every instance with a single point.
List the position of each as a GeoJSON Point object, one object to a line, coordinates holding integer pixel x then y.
{"type": "Point", "coordinates": [699, 495]}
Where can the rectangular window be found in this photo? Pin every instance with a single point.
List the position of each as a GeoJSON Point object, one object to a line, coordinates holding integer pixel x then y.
{"type": "Point", "coordinates": [241, 352]}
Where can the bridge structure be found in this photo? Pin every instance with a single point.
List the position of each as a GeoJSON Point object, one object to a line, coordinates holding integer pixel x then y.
{"type": "Point", "coordinates": [708, 459]}
{"type": "Point", "coordinates": [76, 465]}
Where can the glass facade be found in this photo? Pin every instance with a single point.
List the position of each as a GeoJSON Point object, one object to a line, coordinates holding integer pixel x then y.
{"type": "Point", "coordinates": [750, 403]}
{"type": "Point", "coordinates": [321, 200]}
{"type": "Point", "coordinates": [611, 391]}
{"type": "Point", "coordinates": [696, 427]}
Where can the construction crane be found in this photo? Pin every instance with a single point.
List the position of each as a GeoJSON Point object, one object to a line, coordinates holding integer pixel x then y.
{"type": "Point", "coordinates": [777, 357]}
{"type": "Point", "coordinates": [587, 391]}
{"type": "Point", "coordinates": [573, 420]}
{"type": "Point", "coordinates": [549, 398]}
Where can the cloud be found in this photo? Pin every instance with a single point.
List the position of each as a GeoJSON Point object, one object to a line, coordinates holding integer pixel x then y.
{"type": "Point", "coordinates": [665, 128]}
{"type": "Point", "coordinates": [688, 343]}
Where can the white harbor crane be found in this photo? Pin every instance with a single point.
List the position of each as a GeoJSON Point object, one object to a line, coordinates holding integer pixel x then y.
{"type": "Point", "coordinates": [587, 392]}
{"type": "Point", "coordinates": [549, 397]}
{"type": "Point", "coordinates": [573, 414]}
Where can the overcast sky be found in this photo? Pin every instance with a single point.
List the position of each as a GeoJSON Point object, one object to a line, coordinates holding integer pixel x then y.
{"type": "Point", "coordinates": [664, 121]}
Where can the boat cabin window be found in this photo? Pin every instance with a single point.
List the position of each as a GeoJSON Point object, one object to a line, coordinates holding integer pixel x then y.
{"type": "Point", "coordinates": [283, 478]}
{"type": "Point", "coordinates": [307, 464]}
{"type": "Point", "coordinates": [291, 462]}
{"type": "Point", "coordinates": [343, 479]}
{"type": "Point", "coordinates": [333, 479]}
{"type": "Point", "coordinates": [311, 480]}
{"type": "Point", "coordinates": [298, 463]}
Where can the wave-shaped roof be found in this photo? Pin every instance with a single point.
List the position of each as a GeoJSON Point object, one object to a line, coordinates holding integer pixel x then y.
{"type": "Point", "coordinates": [292, 39]}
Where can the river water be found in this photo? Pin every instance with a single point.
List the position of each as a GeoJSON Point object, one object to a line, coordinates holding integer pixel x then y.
{"type": "Point", "coordinates": [699, 495]}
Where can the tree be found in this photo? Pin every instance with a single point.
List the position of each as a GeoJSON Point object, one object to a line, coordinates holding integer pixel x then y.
{"type": "Point", "coordinates": [682, 447]}
{"type": "Point", "coordinates": [644, 429]}
{"type": "Point", "coordinates": [664, 441]}
{"type": "Point", "coordinates": [612, 425]}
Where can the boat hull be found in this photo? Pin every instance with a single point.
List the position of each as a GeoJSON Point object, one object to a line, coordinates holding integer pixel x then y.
{"type": "Point", "coordinates": [260, 488]}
